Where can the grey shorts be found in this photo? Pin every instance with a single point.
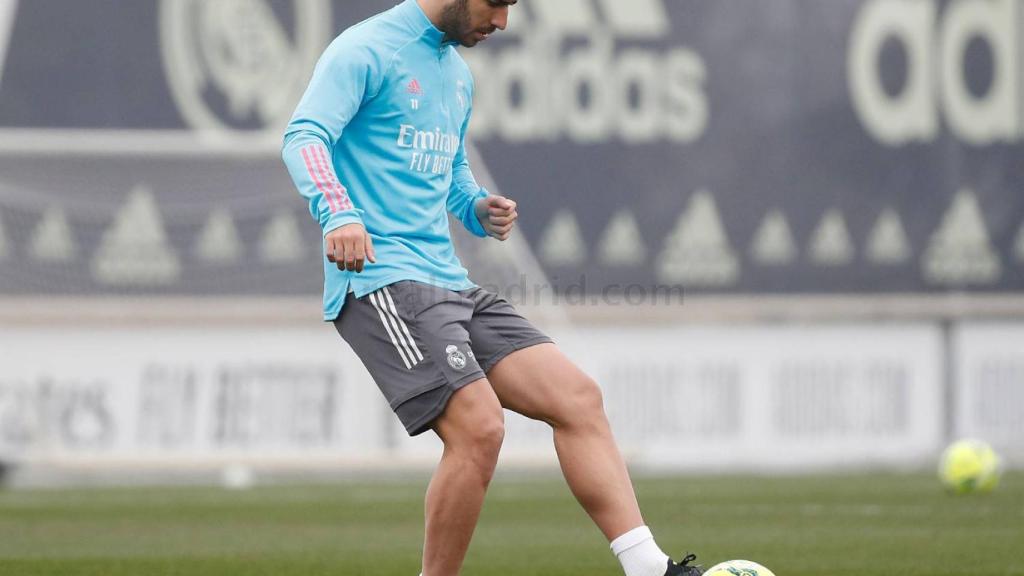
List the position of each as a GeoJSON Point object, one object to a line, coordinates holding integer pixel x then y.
{"type": "Point", "coordinates": [421, 343]}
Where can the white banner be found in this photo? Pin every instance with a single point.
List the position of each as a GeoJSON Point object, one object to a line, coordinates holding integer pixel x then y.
{"type": "Point", "coordinates": [693, 398]}
{"type": "Point", "coordinates": [165, 394]}
{"type": "Point", "coordinates": [771, 397]}
{"type": "Point", "coordinates": [990, 386]}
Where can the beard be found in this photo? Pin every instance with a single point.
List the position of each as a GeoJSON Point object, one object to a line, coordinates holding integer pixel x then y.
{"type": "Point", "coordinates": [455, 22]}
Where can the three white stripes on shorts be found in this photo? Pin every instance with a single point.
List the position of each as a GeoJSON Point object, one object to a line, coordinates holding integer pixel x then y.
{"type": "Point", "coordinates": [396, 328]}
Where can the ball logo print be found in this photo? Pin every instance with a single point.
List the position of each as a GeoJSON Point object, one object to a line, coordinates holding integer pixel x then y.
{"type": "Point", "coordinates": [456, 359]}
{"type": "Point", "coordinates": [738, 568]}
{"type": "Point", "coordinates": [233, 65]}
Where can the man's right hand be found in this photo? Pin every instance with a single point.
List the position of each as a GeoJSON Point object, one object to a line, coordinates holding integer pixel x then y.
{"type": "Point", "coordinates": [350, 247]}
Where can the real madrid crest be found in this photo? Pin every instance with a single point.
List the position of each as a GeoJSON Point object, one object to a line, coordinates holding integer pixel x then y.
{"type": "Point", "coordinates": [241, 64]}
{"type": "Point", "coordinates": [456, 359]}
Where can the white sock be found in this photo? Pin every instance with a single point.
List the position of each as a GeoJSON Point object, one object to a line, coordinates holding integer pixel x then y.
{"type": "Point", "coordinates": [639, 554]}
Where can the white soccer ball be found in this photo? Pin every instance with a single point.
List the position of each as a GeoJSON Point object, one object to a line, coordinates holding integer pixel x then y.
{"type": "Point", "coordinates": [738, 568]}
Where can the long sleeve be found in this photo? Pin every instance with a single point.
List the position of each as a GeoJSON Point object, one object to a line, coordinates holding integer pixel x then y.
{"type": "Point", "coordinates": [464, 190]}
{"type": "Point", "coordinates": [344, 79]}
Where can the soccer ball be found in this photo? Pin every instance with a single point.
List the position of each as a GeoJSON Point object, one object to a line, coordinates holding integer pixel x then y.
{"type": "Point", "coordinates": [738, 568]}
{"type": "Point", "coordinates": [970, 466]}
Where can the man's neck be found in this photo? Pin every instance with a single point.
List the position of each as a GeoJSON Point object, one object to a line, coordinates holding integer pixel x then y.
{"type": "Point", "coordinates": [433, 10]}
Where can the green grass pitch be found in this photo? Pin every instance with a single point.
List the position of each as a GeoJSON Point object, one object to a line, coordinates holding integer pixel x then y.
{"type": "Point", "coordinates": [818, 526]}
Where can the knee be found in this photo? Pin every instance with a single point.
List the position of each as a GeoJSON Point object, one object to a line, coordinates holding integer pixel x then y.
{"type": "Point", "coordinates": [490, 435]}
{"type": "Point", "coordinates": [582, 405]}
{"type": "Point", "coordinates": [483, 439]}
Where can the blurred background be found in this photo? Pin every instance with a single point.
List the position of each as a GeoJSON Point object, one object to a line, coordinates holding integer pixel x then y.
{"type": "Point", "coordinates": [785, 236]}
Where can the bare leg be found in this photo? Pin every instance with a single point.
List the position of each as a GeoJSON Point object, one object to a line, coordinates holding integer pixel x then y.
{"type": "Point", "coordinates": [541, 383]}
{"type": "Point", "coordinates": [597, 476]}
{"type": "Point", "coordinates": [472, 428]}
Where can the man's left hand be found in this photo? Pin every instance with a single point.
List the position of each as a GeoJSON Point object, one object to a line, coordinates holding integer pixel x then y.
{"type": "Point", "coordinates": [497, 215]}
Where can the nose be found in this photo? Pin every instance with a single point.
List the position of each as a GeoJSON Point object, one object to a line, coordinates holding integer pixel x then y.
{"type": "Point", "coordinates": [500, 20]}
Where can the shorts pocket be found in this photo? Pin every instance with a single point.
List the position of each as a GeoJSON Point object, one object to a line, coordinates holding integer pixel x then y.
{"type": "Point", "coordinates": [415, 298]}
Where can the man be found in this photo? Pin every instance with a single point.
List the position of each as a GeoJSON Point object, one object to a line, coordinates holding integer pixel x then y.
{"type": "Point", "coordinates": [377, 147]}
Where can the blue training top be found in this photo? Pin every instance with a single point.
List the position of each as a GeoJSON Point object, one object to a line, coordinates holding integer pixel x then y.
{"type": "Point", "coordinates": [379, 139]}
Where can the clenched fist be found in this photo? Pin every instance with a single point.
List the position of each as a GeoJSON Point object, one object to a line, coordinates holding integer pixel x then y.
{"type": "Point", "coordinates": [497, 215]}
{"type": "Point", "coordinates": [350, 247]}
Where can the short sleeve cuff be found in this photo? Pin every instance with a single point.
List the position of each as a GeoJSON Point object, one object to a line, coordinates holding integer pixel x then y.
{"type": "Point", "coordinates": [339, 219]}
{"type": "Point", "coordinates": [472, 222]}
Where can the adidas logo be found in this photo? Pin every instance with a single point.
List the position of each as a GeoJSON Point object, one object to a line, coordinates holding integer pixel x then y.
{"type": "Point", "coordinates": [414, 88]}
{"type": "Point", "coordinates": [634, 19]}
{"type": "Point", "coordinates": [536, 86]}
{"type": "Point", "coordinates": [937, 95]}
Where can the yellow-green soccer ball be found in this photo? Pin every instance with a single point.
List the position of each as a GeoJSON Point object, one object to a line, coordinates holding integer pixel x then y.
{"type": "Point", "coordinates": [970, 466]}
{"type": "Point", "coordinates": [738, 568]}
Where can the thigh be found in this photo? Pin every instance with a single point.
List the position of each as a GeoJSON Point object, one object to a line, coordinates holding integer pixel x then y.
{"type": "Point", "coordinates": [414, 341]}
{"type": "Point", "coordinates": [473, 412]}
{"type": "Point", "coordinates": [541, 383]}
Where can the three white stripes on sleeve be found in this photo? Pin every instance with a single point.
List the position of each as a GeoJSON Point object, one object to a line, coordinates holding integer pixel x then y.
{"type": "Point", "coordinates": [396, 328]}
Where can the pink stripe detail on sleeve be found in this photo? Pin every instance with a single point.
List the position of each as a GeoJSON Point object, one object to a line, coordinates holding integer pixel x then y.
{"type": "Point", "coordinates": [341, 193]}
{"type": "Point", "coordinates": [325, 176]}
{"type": "Point", "coordinates": [307, 153]}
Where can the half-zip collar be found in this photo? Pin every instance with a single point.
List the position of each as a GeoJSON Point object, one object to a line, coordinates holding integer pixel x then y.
{"type": "Point", "coordinates": [422, 26]}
